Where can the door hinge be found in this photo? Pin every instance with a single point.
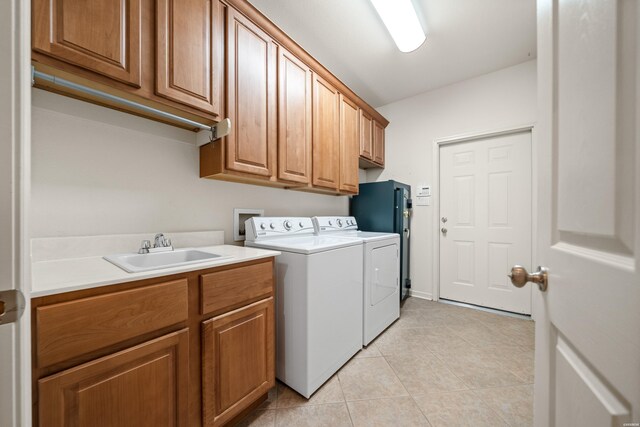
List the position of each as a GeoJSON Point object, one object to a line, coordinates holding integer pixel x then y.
{"type": "Point", "coordinates": [11, 306]}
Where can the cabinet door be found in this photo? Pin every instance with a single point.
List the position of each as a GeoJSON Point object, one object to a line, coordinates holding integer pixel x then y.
{"type": "Point", "coordinates": [366, 136]}
{"type": "Point", "coordinates": [238, 360]}
{"type": "Point", "coordinates": [349, 143]}
{"type": "Point", "coordinates": [185, 44]}
{"type": "Point", "coordinates": [294, 109]}
{"type": "Point", "coordinates": [326, 134]}
{"type": "Point", "coordinates": [251, 91]}
{"type": "Point", "coordinates": [99, 35]}
{"type": "Point", "coordinates": [145, 385]}
{"type": "Point", "coordinates": [378, 143]}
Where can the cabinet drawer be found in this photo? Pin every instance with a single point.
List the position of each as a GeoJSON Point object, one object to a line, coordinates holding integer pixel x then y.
{"type": "Point", "coordinates": [73, 328]}
{"type": "Point", "coordinates": [230, 288]}
{"type": "Point", "coordinates": [145, 385]}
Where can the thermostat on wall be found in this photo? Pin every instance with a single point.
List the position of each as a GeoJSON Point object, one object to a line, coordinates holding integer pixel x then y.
{"type": "Point", "coordinates": [424, 191]}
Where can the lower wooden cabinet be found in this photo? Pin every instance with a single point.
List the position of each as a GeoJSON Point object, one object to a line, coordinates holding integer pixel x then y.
{"type": "Point", "coordinates": [189, 349]}
{"type": "Point", "coordinates": [145, 385]}
{"type": "Point", "coordinates": [238, 360]}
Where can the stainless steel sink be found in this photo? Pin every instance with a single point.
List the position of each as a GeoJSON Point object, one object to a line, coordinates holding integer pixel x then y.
{"type": "Point", "coordinates": [135, 263]}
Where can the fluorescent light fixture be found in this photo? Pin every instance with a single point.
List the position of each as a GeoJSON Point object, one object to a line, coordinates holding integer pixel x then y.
{"type": "Point", "coordinates": [400, 18]}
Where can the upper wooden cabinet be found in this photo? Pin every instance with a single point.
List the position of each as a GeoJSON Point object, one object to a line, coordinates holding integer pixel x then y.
{"type": "Point", "coordinates": [103, 36]}
{"type": "Point", "coordinates": [206, 60]}
{"type": "Point", "coordinates": [349, 143]}
{"type": "Point", "coordinates": [366, 135]}
{"type": "Point", "coordinates": [251, 91]}
{"type": "Point", "coordinates": [378, 143]}
{"type": "Point", "coordinates": [371, 142]}
{"type": "Point", "coordinates": [186, 47]}
{"type": "Point", "coordinates": [326, 134]}
{"type": "Point", "coordinates": [294, 126]}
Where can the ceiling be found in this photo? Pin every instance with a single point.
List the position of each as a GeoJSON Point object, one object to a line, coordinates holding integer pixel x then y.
{"type": "Point", "coordinates": [465, 38]}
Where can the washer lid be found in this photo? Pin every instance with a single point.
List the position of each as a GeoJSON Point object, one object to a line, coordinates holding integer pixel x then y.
{"type": "Point", "coordinates": [305, 244]}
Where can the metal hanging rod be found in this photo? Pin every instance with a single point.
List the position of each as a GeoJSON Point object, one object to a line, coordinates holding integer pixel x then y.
{"type": "Point", "coordinates": [217, 131]}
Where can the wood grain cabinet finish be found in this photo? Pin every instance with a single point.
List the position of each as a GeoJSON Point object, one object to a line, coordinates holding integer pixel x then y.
{"type": "Point", "coordinates": [227, 289]}
{"type": "Point", "coordinates": [251, 91]}
{"type": "Point", "coordinates": [186, 48]}
{"type": "Point", "coordinates": [188, 349]}
{"type": "Point", "coordinates": [238, 360]}
{"type": "Point", "coordinates": [103, 36]}
{"type": "Point", "coordinates": [294, 112]}
{"type": "Point", "coordinates": [366, 135]}
{"type": "Point", "coordinates": [378, 143]}
{"type": "Point", "coordinates": [349, 145]}
{"type": "Point", "coordinates": [326, 134]}
{"type": "Point", "coordinates": [70, 329]}
{"type": "Point", "coordinates": [143, 386]}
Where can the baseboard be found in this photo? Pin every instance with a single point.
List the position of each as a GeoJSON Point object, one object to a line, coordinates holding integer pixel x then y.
{"type": "Point", "coordinates": [422, 295]}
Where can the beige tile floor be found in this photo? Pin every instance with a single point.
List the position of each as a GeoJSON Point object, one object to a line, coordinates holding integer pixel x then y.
{"type": "Point", "coordinates": [438, 365]}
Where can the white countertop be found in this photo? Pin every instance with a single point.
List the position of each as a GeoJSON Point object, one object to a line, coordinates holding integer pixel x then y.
{"type": "Point", "coordinates": [65, 275]}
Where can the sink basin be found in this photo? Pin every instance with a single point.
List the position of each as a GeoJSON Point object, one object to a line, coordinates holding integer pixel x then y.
{"type": "Point", "coordinates": [135, 263]}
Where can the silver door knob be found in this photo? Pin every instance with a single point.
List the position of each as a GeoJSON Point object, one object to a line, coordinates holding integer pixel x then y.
{"type": "Point", "coordinates": [519, 277]}
{"type": "Point", "coordinates": [444, 219]}
{"type": "Point", "coordinates": [444, 231]}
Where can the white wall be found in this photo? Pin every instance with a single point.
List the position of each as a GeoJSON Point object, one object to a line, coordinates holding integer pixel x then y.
{"type": "Point", "coordinates": [99, 171]}
{"type": "Point", "coordinates": [502, 99]}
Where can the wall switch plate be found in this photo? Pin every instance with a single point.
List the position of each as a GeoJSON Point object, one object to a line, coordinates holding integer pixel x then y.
{"type": "Point", "coordinates": [422, 201]}
{"type": "Point", "coordinates": [239, 217]}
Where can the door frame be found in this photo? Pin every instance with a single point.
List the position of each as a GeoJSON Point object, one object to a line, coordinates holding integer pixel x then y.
{"type": "Point", "coordinates": [18, 124]}
{"type": "Point", "coordinates": [470, 137]}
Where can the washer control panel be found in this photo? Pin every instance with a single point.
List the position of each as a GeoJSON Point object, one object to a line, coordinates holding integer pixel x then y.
{"type": "Point", "coordinates": [334, 223]}
{"type": "Point", "coordinates": [260, 227]}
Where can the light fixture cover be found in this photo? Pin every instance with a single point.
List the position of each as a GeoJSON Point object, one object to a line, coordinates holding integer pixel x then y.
{"type": "Point", "coordinates": [400, 18]}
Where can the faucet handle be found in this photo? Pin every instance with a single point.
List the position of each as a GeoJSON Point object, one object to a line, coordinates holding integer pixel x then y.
{"type": "Point", "coordinates": [159, 241]}
{"type": "Point", "coordinates": [144, 247]}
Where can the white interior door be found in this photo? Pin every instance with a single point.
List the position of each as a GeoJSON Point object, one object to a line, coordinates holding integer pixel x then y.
{"type": "Point", "coordinates": [588, 321]}
{"type": "Point", "coordinates": [485, 209]}
{"type": "Point", "coordinates": [15, 361]}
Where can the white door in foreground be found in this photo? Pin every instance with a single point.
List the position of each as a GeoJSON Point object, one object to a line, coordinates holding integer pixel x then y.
{"type": "Point", "coordinates": [15, 361]}
{"type": "Point", "coordinates": [588, 321]}
{"type": "Point", "coordinates": [485, 210]}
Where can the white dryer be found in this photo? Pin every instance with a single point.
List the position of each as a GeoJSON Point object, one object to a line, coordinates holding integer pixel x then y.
{"type": "Point", "coordinates": [380, 270]}
{"type": "Point", "coordinates": [318, 299]}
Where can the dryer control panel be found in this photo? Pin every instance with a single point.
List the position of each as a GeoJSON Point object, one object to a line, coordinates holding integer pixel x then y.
{"type": "Point", "coordinates": [325, 224]}
{"type": "Point", "coordinates": [269, 227]}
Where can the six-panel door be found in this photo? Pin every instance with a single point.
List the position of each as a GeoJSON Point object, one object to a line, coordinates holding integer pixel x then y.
{"type": "Point", "coordinates": [238, 360]}
{"type": "Point", "coordinates": [103, 36]}
{"type": "Point", "coordinates": [143, 386]}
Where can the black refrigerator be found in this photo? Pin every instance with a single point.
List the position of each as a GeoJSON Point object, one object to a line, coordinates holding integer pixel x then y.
{"type": "Point", "coordinates": [386, 207]}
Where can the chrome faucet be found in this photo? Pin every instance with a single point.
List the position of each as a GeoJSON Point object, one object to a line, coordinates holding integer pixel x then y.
{"type": "Point", "coordinates": [160, 244]}
{"type": "Point", "coordinates": [160, 241]}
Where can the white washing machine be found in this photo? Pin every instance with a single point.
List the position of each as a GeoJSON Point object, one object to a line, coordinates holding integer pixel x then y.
{"type": "Point", "coordinates": [318, 299]}
{"type": "Point", "coordinates": [380, 270]}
